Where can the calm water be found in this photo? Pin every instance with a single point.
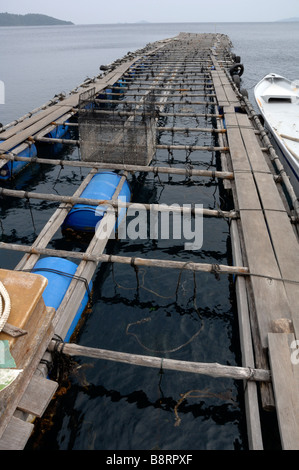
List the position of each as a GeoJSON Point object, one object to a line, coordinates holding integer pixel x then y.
{"type": "Point", "coordinates": [112, 406]}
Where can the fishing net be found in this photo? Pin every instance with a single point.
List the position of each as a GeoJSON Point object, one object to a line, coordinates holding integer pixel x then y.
{"type": "Point", "coordinates": [111, 133]}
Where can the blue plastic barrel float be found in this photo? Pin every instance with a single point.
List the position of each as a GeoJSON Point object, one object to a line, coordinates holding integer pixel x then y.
{"type": "Point", "coordinates": [119, 88]}
{"type": "Point", "coordinates": [13, 168]}
{"type": "Point", "coordinates": [131, 72]}
{"type": "Point", "coordinates": [83, 217]}
{"type": "Point", "coordinates": [60, 273]}
{"type": "Point", "coordinates": [105, 95]}
{"type": "Point", "coordinates": [58, 132]}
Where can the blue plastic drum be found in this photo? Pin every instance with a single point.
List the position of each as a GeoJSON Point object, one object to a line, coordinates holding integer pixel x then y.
{"type": "Point", "coordinates": [85, 218]}
{"type": "Point", "coordinates": [59, 273]}
{"type": "Point", "coordinates": [13, 168]}
{"type": "Point", "coordinates": [58, 132]}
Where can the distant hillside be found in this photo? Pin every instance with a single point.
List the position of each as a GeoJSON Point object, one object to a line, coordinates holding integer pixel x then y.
{"type": "Point", "coordinates": [31, 19]}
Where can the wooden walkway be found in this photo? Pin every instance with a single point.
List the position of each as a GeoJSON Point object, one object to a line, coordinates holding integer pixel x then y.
{"type": "Point", "coordinates": [264, 236]}
{"type": "Point", "coordinates": [271, 252]}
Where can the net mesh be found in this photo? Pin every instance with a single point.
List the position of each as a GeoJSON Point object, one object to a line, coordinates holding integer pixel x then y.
{"type": "Point", "coordinates": [109, 134]}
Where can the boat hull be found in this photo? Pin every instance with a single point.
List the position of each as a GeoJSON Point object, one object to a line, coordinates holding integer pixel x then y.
{"type": "Point", "coordinates": [278, 102]}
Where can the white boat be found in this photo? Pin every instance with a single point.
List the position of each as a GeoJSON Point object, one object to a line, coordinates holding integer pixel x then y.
{"type": "Point", "coordinates": [278, 102]}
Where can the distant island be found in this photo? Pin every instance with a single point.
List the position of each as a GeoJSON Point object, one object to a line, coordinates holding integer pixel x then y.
{"type": "Point", "coordinates": [288, 20]}
{"type": "Point", "coordinates": [31, 19]}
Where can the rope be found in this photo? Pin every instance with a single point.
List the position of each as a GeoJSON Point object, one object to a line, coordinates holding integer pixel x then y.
{"type": "Point", "coordinates": [62, 273]}
{"type": "Point", "coordinates": [62, 364]}
{"type": "Point", "coordinates": [5, 306]}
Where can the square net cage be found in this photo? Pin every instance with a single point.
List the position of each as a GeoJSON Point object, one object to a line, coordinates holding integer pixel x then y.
{"type": "Point", "coordinates": [109, 134]}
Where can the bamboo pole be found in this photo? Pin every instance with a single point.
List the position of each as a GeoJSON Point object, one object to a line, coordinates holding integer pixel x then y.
{"type": "Point", "coordinates": [138, 88]}
{"type": "Point", "coordinates": [295, 155]}
{"type": "Point", "coordinates": [192, 129]}
{"type": "Point", "coordinates": [165, 147]}
{"type": "Point", "coordinates": [161, 114]}
{"type": "Point", "coordinates": [53, 140]}
{"type": "Point", "coordinates": [193, 67]}
{"type": "Point", "coordinates": [177, 95]}
{"type": "Point", "coordinates": [172, 103]}
{"type": "Point", "coordinates": [213, 369]}
{"type": "Point", "coordinates": [146, 78]}
{"type": "Point", "coordinates": [117, 204]}
{"type": "Point", "coordinates": [31, 113]}
{"type": "Point", "coordinates": [130, 168]}
{"type": "Point", "coordinates": [193, 148]}
{"type": "Point", "coordinates": [289, 137]}
{"type": "Point", "coordinates": [179, 81]}
{"type": "Point", "coordinates": [104, 258]}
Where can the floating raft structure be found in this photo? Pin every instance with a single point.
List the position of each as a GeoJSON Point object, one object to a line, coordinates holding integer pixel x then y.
{"type": "Point", "coordinates": [118, 115]}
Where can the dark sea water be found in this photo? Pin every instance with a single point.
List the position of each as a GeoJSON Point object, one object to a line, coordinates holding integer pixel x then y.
{"type": "Point", "coordinates": [106, 405]}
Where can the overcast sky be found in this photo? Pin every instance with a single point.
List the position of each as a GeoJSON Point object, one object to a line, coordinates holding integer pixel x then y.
{"type": "Point", "coordinates": [156, 11]}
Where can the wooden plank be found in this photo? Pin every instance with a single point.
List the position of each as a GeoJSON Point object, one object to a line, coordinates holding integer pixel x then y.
{"type": "Point", "coordinates": [17, 139]}
{"type": "Point", "coordinates": [26, 123]}
{"type": "Point", "coordinates": [269, 294]}
{"type": "Point", "coordinates": [255, 153]}
{"type": "Point", "coordinates": [268, 192]}
{"type": "Point", "coordinates": [16, 434]}
{"type": "Point", "coordinates": [37, 396]}
{"type": "Point", "coordinates": [238, 154]}
{"type": "Point", "coordinates": [285, 389]}
{"type": "Point", "coordinates": [254, 432]}
{"type": "Point", "coordinates": [231, 96]}
{"type": "Point", "coordinates": [219, 90]}
{"type": "Point", "coordinates": [286, 247]}
{"type": "Point", "coordinates": [237, 150]}
{"type": "Point", "coordinates": [266, 187]}
{"type": "Point", "coordinates": [246, 190]}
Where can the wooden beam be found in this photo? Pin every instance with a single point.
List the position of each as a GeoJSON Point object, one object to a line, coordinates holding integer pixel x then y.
{"type": "Point", "coordinates": [130, 168]}
{"type": "Point", "coordinates": [286, 389]}
{"type": "Point", "coordinates": [255, 439]}
{"type": "Point", "coordinates": [214, 369]}
{"type": "Point", "coordinates": [98, 257]}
